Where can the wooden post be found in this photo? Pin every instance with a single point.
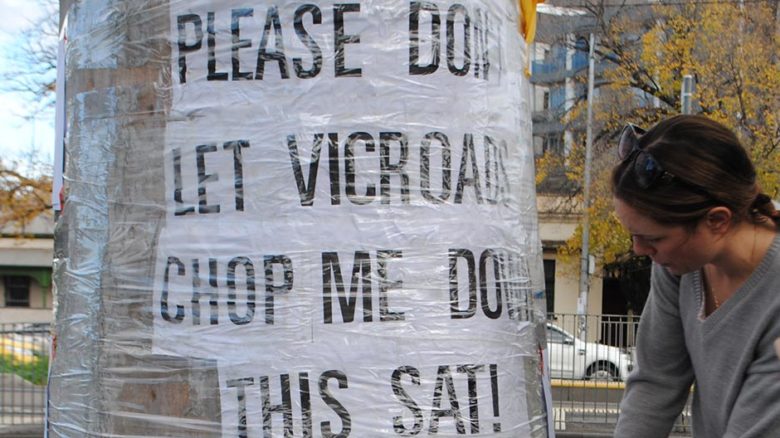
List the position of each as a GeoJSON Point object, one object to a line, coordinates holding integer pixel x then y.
{"type": "Point", "coordinates": [105, 381]}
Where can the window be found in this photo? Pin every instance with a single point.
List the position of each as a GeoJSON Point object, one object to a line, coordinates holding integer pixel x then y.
{"type": "Point", "coordinates": [17, 291]}
{"type": "Point", "coordinates": [538, 146]}
{"type": "Point", "coordinates": [558, 337]}
{"type": "Point", "coordinates": [581, 53]}
{"type": "Point", "coordinates": [553, 143]}
{"type": "Point", "coordinates": [549, 284]}
{"type": "Point", "coordinates": [557, 99]}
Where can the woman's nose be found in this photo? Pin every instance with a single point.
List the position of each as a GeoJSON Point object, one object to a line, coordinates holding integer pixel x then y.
{"type": "Point", "coordinates": [641, 248]}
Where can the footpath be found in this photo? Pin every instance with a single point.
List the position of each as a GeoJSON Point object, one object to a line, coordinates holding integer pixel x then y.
{"type": "Point", "coordinates": [22, 431]}
{"type": "Point", "coordinates": [37, 432]}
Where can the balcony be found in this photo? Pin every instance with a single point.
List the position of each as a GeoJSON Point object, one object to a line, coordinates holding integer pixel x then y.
{"type": "Point", "coordinates": [552, 71]}
{"type": "Point", "coordinates": [546, 73]}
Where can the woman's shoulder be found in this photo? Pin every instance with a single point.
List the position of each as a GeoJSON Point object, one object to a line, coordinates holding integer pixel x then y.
{"type": "Point", "coordinates": [664, 283]}
{"type": "Point", "coordinates": [770, 265]}
{"type": "Point", "coordinates": [663, 277]}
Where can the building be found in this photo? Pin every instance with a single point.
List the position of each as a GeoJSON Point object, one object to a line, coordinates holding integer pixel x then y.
{"type": "Point", "coordinates": [553, 68]}
{"type": "Point", "coordinates": [559, 63]}
{"type": "Point", "coordinates": [26, 271]}
{"type": "Point", "coordinates": [559, 68]}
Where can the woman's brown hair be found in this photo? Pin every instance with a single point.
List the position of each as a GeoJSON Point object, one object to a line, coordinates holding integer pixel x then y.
{"type": "Point", "coordinates": [710, 168]}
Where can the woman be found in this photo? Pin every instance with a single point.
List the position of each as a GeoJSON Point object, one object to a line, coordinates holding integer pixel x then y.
{"type": "Point", "coordinates": [686, 191]}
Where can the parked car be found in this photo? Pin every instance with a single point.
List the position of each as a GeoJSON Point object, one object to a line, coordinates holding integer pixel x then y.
{"type": "Point", "coordinates": [572, 358]}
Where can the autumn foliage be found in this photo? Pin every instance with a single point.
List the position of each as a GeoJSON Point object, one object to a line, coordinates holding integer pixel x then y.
{"type": "Point", "coordinates": [22, 198]}
{"type": "Point", "coordinates": [730, 49]}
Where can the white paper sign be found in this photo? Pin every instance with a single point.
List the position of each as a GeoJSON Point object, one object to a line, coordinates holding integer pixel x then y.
{"type": "Point", "coordinates": [378, 396]}
{"type": "Point", "coordinates": [351, 217]}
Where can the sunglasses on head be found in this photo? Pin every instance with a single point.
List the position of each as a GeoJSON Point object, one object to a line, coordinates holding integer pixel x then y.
{"type": "Point", "coordinates": [647, 169]}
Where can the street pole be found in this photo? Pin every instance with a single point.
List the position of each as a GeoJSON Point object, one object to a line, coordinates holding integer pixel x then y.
{"type": "Point", "coordinates": [582, 302]}
{"type": "Point", "coordinates": [686, 93]}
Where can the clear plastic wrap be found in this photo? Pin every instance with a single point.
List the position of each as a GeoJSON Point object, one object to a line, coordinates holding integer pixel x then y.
{"type": "Point", "coordinates": [298, 219]}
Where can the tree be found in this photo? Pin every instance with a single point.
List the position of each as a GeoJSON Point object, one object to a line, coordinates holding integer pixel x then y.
{"type": "Point", "coordinates": [25, 190]}
{"type": "Point", "coordinates": [22, 198]}
{"type": "Point", "coordinates": [31, 68]}
{"type": "Point", "coordinates": [730, 48]}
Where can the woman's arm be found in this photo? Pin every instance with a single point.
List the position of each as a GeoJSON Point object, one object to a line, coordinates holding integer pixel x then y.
{"type": "Point", "coordinates": [658, 387]}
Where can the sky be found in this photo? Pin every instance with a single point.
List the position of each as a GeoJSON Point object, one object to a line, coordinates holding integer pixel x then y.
{"type": "Point", "coordinates": [19, 137]}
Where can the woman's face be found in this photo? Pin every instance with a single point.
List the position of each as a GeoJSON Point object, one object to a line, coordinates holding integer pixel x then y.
{"type": "Point", "coordinates": [679, 249]}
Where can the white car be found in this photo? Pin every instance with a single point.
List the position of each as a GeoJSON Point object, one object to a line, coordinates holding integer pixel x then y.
{"type": "Point", "coordinates": [572, 358]}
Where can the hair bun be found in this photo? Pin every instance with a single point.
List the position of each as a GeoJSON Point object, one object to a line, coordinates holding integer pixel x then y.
{"type": "Point", "coordinates": [763, 205]}
{"type": "Point", "coordinates": [761, 199]}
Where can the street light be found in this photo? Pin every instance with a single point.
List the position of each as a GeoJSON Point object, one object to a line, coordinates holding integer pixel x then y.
{"type": "Point", "coordinates": [582, 301]}
{"type": "Point", "coordinates": [686, 94]}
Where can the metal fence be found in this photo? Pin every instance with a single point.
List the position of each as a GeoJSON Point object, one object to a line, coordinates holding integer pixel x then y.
{"type": "Point", "coordinates": [24, 364]}
{"type": "Point", "coordinates": [590, 356]}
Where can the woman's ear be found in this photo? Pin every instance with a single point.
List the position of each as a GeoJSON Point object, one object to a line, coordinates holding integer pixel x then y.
{"type": "Point", "coordinates": [719, 219]}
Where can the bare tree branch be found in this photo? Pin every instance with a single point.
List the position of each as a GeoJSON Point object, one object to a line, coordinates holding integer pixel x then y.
{"type": "Point", "coordinates": [31, 68]}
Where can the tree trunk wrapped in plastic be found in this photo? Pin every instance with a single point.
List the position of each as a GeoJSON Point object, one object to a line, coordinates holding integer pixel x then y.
{"type": "Point", "coordinates": [297, 219]}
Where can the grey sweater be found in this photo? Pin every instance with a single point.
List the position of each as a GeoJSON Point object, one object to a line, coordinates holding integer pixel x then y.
{"type": "Point", "coordinates": [729, 355]}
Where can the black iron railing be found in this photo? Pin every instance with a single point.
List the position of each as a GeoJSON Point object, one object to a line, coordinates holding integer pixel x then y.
{"type": "Point", "coordinates": [590, 357]}
{"type": "Point", "coordinates": [24, 364]}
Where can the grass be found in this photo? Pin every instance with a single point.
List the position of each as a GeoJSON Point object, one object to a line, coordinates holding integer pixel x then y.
{"type": "Point", "coordinates": [34, 371]}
